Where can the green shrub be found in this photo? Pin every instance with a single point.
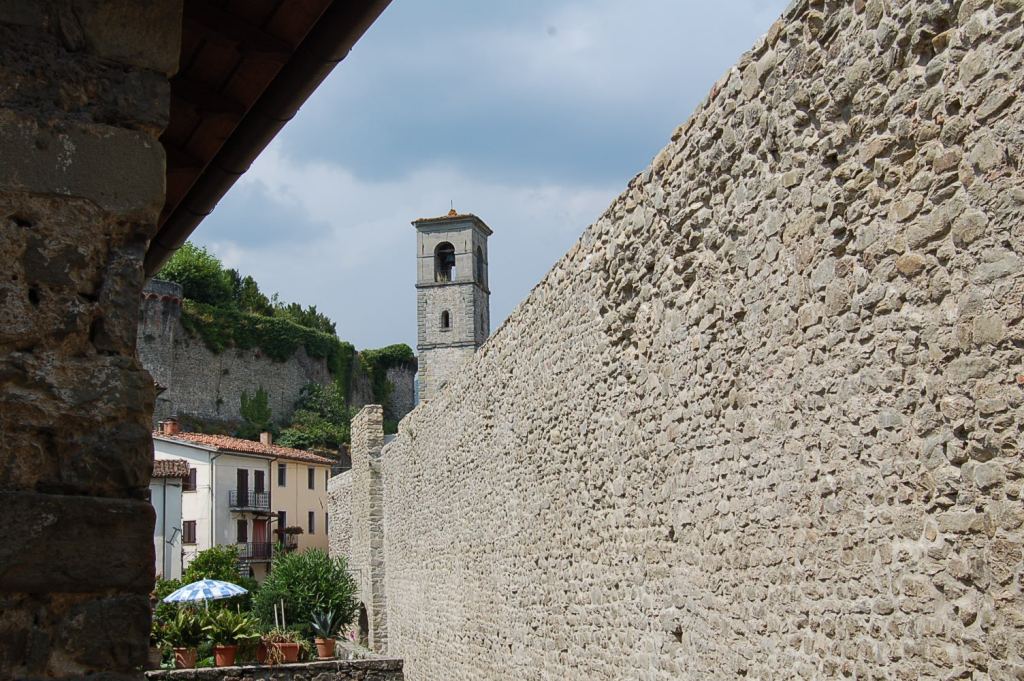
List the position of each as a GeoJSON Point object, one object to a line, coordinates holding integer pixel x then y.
{"type": "Point", "coordinates": [184, 630]}
{"type": "Point", "coordinates": [326, 624]}
{"type": "Point", "coordinates": [256, 415]}
{"type": "Point", "coordinates": [308, 317]}
{"type": "Point", "coordinates": [277, 337]}
{"type": "Point", "coordinates": [216, 562]}
{"type": "Point", "coordinates": [306, 582]}
{"type": "Point", "coordinates": [227, 628]}
{"type": "Point", "coordinates": [321, 419]}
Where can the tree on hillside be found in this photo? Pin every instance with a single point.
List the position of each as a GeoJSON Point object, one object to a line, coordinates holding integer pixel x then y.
{"type": "Point", "coordinates": [200, 273]}
{"type": "Point", "coordinates": [256, 416]}
{"type": "Point", "coordinates": [321, 419]}
{"type": "Point", "coordinates": [247, 295]}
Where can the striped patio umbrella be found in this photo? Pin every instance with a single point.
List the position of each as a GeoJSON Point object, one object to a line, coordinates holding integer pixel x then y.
{"type": "Point", "coordinates": [205, 590]}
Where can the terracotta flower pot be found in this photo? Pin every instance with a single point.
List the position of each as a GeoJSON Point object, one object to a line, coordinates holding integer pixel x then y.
{"type": "Point", "coordinates": [224, 656]}
{"type": "Point", "coordinates": [325, 648]}
{"type": "Point", "coordinates": [185, 658]}
{"type": "Point", "coordinates": [289, 651]}
{"type": "Point", "coordinates": [262, 653]}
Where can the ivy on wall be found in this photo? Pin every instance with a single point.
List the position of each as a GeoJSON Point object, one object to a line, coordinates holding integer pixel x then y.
{"type": "Point", "coordinates": [276, 337]}
{"type": "Point", "coordinates": [376, 364]}
{"type": "Point", "coordinates": [227, 310]}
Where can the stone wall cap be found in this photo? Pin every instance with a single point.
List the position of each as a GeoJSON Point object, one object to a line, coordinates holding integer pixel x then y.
{"type": "Point", "coordinates": [164, 288]}
{"type": "Point", "coordinates": [282, 670]}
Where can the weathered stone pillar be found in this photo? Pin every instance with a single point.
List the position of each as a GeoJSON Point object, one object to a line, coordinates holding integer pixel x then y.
{"type": "Point", "coordinates": [366, 549]}
{"type": "Point", "coordinates": [83, 98]}
{"type": "Point", "coordinates": [339, 509]}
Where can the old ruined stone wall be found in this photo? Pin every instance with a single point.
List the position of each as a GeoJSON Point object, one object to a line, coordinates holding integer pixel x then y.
{"type": "Point", "coordinates": [210, 385]}
{"type": "Point", "coordinates": [200, 384]}
{"type": "Point", "coordinates": [764, 419]}
{"type": "Point", "coordinates": [402, 398]}
{"type": "Point", "coordinates": [159, 325]}
{"type": "Point", "coordinates": [339, 512]}
{"type": "Point", "coordinates": [83, 99]}
{"type": "Point", "coordinates": [366, 533]}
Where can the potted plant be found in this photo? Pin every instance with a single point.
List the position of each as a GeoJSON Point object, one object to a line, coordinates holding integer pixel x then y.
{"type": "Point", "coordinates": [291, 536]}
{"type": "Point", "coordinates": [225, 629]}
{"type": "Point", "coordinates": [282, 645]}
{"type": "Point", "coordinates": [183, 633]}
{"type": "Point", "coordinates": [325, 625]}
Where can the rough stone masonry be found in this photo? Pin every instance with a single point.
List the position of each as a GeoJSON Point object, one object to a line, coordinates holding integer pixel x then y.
{"type": "Point", "coordinates": [199, 385]}
{"type": "Point", "coordinates": [83, 98]}
{"type": "Point", "coordinates": [764, 420]}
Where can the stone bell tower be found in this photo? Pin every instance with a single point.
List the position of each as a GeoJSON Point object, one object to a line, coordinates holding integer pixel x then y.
{"type": "Point", "coordinates": [452, 296]}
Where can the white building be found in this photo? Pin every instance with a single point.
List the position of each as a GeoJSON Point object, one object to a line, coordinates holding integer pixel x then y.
{"type": "Point", "coordinates": [169, 476]}
{"type": "Point", "coordinates": [239, 492]}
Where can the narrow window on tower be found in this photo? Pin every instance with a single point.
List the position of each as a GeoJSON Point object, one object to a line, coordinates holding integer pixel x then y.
{"type": "Point", "coordinates": [446, 320]}
{"type": "Point", "coordinates": [480, 266]}
{"type": "Point", "coordinates": [444, 262]}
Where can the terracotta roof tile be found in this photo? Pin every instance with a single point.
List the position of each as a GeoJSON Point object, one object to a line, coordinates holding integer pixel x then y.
{"type": "Point", "coordinates": [457, 216]}
{"type": "Point", "coordinates": [236, 444]}
{"type": "Point", "coordinates": [170, 468]}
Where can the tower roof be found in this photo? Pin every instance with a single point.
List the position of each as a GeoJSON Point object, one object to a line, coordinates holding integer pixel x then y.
{"type": "Point", "coordinates": [452, 217]}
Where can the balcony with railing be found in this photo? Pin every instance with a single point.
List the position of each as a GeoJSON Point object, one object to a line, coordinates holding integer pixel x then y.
{"type": "Point", "coordinates": [288, 540]}
{"type": "Point", "coordinates": [255, 552]}
{"type": "Point", "coordinates": [244, 500]}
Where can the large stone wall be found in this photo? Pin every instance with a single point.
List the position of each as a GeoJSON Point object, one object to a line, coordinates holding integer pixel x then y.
{"type": "Point", "coordinates": [210, 385]}
{"type": "Point", "coordinates": [402, 398]}
{"type": "Point", "coordinates": [764, 420]}
{"type": "Point", "coordinates": [159, 326]}
{"type": "Point", "coordinates": [200, 384]}
{"type": "Point", "coordinates": [83, 99]}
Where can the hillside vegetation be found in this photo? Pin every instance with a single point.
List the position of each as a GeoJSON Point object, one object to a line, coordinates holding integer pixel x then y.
{"type": "Point", "coordinates": [227, 310]}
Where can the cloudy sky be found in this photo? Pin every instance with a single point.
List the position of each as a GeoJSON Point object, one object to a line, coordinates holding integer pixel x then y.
{"type": "Point", "coordinates": [533, 114]}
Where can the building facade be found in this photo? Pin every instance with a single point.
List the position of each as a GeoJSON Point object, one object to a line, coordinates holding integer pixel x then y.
{"type": "Point", "coordinates": [452, 295]}
{"type": "Point", "coordinates": [165, 493]}
{"type": "Point", "coordinates": [253, 495]}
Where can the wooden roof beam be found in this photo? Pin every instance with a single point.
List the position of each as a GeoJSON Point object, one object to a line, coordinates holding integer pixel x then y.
{"type": "Point", "coordinates": [222, 27]}
{"type": "Point", "coordinates": [203, 98]}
